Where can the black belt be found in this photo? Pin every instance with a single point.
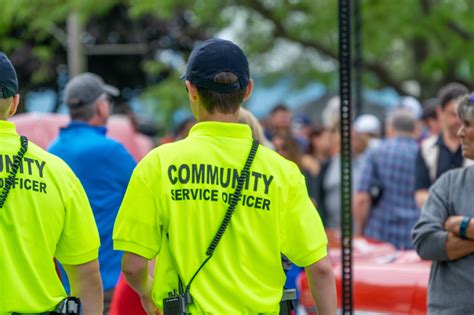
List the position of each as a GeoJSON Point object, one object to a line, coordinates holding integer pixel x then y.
{"type": "Point", "coordinates": [70, 305]}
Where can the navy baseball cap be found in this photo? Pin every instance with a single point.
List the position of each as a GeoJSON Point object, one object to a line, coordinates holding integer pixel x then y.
{"type": "Point", "coordinates": [8, 78]}
{"type": "Point", "coordinates": [214, 56]}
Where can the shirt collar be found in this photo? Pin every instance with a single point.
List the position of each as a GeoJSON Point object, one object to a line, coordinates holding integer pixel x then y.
{"type": "Point", "coordinates": [76, 124]}
{"type": "Point", "coordinates": [221, 129]}
{"type": "Point", "coordinates": [7, 128]}
{"type": "Point", "coordinates": [440, 143]}
{"type": "Point", "coordinates": [440, 140]}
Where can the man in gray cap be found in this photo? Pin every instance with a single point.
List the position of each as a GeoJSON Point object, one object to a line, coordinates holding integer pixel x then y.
{"type": "Point", "coordinates": [103, 165]}
{"type": "Point", "coordinates": [44, 215]}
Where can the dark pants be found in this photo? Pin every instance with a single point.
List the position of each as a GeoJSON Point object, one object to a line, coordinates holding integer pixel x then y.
{"type": "Point", "coordinates": [108, 300]}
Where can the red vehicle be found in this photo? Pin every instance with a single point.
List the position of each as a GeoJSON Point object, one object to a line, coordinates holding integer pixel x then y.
{"type": "Point", "coordinates": [385, 280]}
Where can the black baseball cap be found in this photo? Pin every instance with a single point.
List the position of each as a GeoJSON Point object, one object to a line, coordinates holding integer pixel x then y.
{"type": "Point", "coordinates": [85, 88]}
{"type": "Point", "coordinates": [8, 78]}
{"type": "Point", "coordinates": [214, 56]}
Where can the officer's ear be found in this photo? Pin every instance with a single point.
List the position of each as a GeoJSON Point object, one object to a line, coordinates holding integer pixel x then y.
{"type": "Point", "coordinates": [248, 90]}
{"type": "Point", "coordinates": [14, 105]}
{"type": "Point", "coordinates": [192, 90]}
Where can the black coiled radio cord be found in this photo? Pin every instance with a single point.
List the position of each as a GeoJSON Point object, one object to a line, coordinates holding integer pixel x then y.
{"type": "Point", "coordinates": [230, 211]}
{"type": "Point", "coordinates": [14, 169]}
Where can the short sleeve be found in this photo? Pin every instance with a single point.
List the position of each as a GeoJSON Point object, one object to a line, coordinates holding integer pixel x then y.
{"type": "Point", "coordinates": [138, 228]}
{"type": "Point", "coordinates": [422, 176]}
{"type": "Point", "coordinates": [119, 159]}
{"type": "Point", "coordinates": [303, 239]}
{"type": "Point", "coordinates": [79, 241]}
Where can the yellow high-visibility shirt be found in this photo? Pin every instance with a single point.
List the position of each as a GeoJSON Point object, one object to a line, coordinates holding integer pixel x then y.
{"type": "Point", "coordinates": [46, 215]}
{"type": "Point", "coordinates": [176, 201]}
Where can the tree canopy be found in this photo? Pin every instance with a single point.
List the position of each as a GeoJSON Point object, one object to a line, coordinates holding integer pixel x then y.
{"type": "Point", "coordinates": [412, 46]}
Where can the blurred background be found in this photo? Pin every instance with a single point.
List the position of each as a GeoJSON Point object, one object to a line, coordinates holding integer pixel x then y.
{"type": "Point", "coordinates": [404, 52]}
{"type": "Point", "coordinates": [408, 48]}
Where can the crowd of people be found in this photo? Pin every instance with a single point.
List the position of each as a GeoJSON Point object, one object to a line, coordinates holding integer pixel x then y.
{"type": "Point", "coordinates": [394, 160]}
{"type": "Point", "coordinates": [422, 147]}
{"type": "Point", "coordinates": [92, 191]}
{"type": "Point", "coordinates": [91, 210]}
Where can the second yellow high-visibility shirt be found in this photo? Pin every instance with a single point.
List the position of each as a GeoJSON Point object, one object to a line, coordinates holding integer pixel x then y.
{"type": "Point", "coordinates": [46, 215]}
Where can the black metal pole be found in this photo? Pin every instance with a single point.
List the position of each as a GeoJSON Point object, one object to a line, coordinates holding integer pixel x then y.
{"type": "Point", "coordinates": [359, 106]}
{"type": "Point", "coordinates": [345, 63]}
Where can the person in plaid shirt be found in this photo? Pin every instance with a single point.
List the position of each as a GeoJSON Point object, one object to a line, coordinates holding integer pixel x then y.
{"type": "Point", "coordinates": [391, 167]}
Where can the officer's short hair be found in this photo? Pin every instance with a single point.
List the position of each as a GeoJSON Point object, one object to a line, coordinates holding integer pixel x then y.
{"type": "Point", "coordinates": [222, 102]}
{"type": "Point", "coordinates": [5, 106]}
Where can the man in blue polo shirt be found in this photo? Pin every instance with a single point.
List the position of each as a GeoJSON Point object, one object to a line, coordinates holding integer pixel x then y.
{"type": "Point", "coordinates": [103, 165]}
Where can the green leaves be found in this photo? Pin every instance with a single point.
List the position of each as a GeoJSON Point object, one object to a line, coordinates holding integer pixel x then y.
{"type": "Point", "coordinates": [422, 40]}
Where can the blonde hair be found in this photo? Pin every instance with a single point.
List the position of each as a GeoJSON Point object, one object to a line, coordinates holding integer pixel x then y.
{"type": "Point", "coordinates": [330, 114]}
{"type": "Point", "coordinates": [248, 118]}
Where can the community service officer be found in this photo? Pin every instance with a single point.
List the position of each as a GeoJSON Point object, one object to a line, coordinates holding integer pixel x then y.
{"type": "Point", "coordinates": [179, 194]}
{"type": "Point", "coordinates": [44, 214]}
